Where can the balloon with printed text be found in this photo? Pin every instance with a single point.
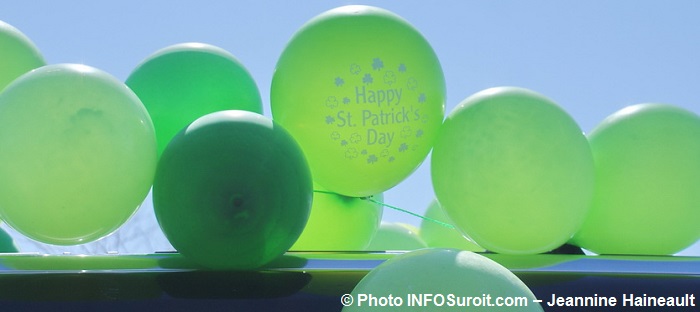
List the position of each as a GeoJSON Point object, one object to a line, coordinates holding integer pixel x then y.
{"type": "Point", "coordinates": [363, 93]}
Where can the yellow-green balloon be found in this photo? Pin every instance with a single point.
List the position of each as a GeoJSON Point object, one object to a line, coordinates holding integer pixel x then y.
{"type": "Point", "coordinates": [396, 236]}
{"type": "Point", "coordinates": [647, 195]}
{"type": "Point", "coordinates": [513, 171]}
{"type": "Point", "coordinates": [77, 154]}
{"type": "Point", "coordinates": [452, 279]}
{"type": "Point", "coordinates": [363, 93]}
{"type": "Point", "coordinates": [339, 222]}
{"type": "Point", "coordinates": [183, 82]}
{"type": "Point", "coordinates": [438, 235]}
{"type": "Point", "coordinates": [18, 54]}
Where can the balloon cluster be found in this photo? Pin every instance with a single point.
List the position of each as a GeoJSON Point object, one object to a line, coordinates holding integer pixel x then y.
{"type": "Point", "coordinates": [231, 189]}
{"type": "Point", "coordinates": [517, 175]}
{"type": "Point", "coordinates": [358, 100]}
{"type": "Point", "coordinates": [79, 153]}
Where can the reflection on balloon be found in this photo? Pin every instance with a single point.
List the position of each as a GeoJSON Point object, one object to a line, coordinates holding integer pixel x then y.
{"type": "Point", "coordinates": [232, 191]}
{"type": "Point", "coordinates": [339, 222]}
{"type": "Point", "coordinates": [396, 236]}
{"type": "Point", "coordinates": [183, 82]}
{"type": "Point", "coordinates": [647, 182]}
{"type": "Point", "coordinates": [18, 54]}
{"type": "Point", "coordinates": [513, 171]}
{"type": "Point", "coordinates": [438, 235]}
{"type": "Point", "coordinates": [365, 114]}
{"type": "Point", "coordinates": [77, 154]}
{"type": "Point", "coordinates": [443, 271]}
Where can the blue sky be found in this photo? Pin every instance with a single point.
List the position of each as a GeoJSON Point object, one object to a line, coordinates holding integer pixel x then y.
{"type": "Point", "coordinates": [591, 57]}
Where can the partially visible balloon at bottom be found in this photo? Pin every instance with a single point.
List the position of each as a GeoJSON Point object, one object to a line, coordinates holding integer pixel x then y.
{"type": "Point", "coordinates": [339, 222]}
{"type": "Point", "coordinates": [443, 271]}
{"type": "Point", "coordinates": [438, 235]}
{"type": "Point", "coordinates": [396, 236]}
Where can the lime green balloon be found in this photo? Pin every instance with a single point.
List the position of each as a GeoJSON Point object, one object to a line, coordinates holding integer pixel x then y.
{"type": "Point", "coordinates": [363, 93]}
{"type": "Point", "coordinates": [437, 235]}
{"type": "Point", "coordinates": [647, 195]}
{"type": "Point", "coordinates": [454, 281]}
{"type": "Point", "coordinates": [339, 222]}
{"type": "Point", "coordinates": [77, 154]}
{"type": "Point", "coordinates": [396, 236]}
{"type": "Point", "coordinates": [183, 82]}
{"type": "Point", "coordinates": [232, 190]}
{"type": "Point", "coordinates": [513, 171]}
{"type": "Point", "coordinates": [18, 54]}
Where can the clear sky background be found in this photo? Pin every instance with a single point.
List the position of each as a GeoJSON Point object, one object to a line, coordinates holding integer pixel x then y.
{"type": "Point", "coordinates": [591, 57]}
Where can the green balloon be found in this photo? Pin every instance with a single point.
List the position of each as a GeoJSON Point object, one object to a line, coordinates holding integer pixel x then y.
{"type": "Point", "coordinates": [474, 282]}
{"type": "Point", "coordinates": [647, 195]}
{"type": "Point", "coordinates": [339, 222]}
{"type": "Point", "coordinates": [18, 54]}
{"type": "Point", "coordinates": [396, 236]}
{"type": "Point", "coordinates": [7, 244]}
{"type": "Point", "coordinates": [438, 235]}
{"type": "Point", "coordinates": [183, 82]}
{"type": "Point", "coordinates": [363, 93]}
{"type": "Point", "coordinates": [232, 190]}
{"type": "Point", "coordinates": [513, 171]}
{"type": "Point", "coordinates": [77, 154]}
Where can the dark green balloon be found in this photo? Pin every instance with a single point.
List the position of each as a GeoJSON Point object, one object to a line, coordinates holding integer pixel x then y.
{"type": "Point", "coordinates": [183, 82]}
{"type": "Point", "coordinates": [7, 244]}
{"type": "Point", "coordinates": [232, 190]}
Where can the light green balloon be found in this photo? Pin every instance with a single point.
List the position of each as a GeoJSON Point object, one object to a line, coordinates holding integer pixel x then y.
{"type": "Point", "coordinates": [339, 222]}
{"type": "Point", "coordinates": [513, 171]}
{"type": "Point", "coordinates": [396, 236]}
{"type": "Point", "coordinates": [647, 196]}
{"type": "Point", "coordinates": [77, 154]}
{"type": "Point", "coordinates": [438, 235]}
{"type": "Point", "coordinates": [443, 272]}
{"type": "Point", "coordinates": [18, 54]}
{"type": "Point", "coordinates": [363, 93]}
{"type": "Point", "coordinates": [183, 82]}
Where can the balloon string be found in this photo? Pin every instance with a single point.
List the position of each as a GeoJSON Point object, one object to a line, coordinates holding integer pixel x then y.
{"type": "Point", "coordinates": [370, 199]}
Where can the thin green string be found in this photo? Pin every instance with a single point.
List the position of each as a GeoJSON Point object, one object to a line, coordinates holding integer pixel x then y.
{"type": "Point", "coordinates": [370, 199]}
